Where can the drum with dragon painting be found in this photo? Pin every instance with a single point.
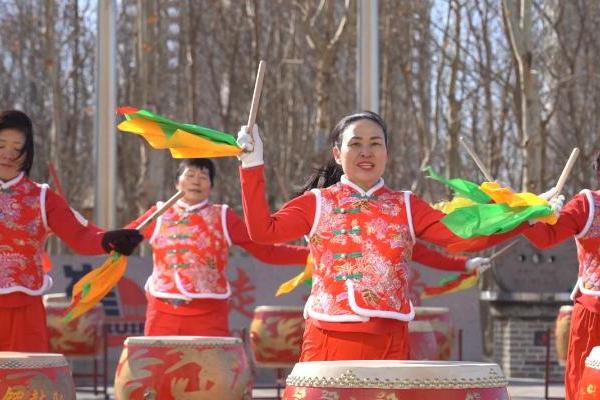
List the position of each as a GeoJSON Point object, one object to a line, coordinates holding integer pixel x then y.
{"type": "Point", "coordinates": [79, 337]}
{"type": "Point", "coordinates": [276, 335]}
{"type": "Point", "coordinates": [589, 386]}
{"type": "Point", "coordinates": [443, 328]}
{"type": "Point", "coordinates": [35, 376]}
{"type": "Point", "coordinates": [562, 329]}
{"type": "Point", "coordinates": [423, 344]}
{"type": "Point", "coordinates": [183, 368]}
{"type": "Point", "coordinates": [399, 380]}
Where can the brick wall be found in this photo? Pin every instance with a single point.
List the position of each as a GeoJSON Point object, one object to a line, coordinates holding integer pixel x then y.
{"type": "Point", "coordinates": [520, 348]}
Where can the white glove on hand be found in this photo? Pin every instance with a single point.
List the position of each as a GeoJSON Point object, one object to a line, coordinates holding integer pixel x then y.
{"type": "Point", "coordinates": [548, 195]}
{"type": "Point", "coordinates": [252, 147]}
{"type": "Point", "coordinates": [557, 204]}
{"type": "Point", "coordinates": [478, 263]}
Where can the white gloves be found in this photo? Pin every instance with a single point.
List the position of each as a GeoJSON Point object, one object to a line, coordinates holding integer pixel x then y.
{"type": "Point", "coordinates": [547, 195]}
{"type": "Point", "coordinates": [252, 147]}
{"type": "Point", "coordinates": [557, 204]}
{"type": "Point", "coordinates": [478, 263]}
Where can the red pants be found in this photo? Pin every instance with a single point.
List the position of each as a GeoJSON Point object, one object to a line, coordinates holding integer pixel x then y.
{"type": "Point", "coordinates": [584, 336]}
{"type": "Point", "coordinates": [160, 323]}
{"type": "Point", "coordinates": [24, 328]}
{"type": "Point", "coordinates": [327, 345]}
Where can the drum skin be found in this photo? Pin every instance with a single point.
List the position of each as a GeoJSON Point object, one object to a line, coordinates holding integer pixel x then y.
{"type": "Point", "coordinates": [589, 386]}
{"type": "Point", "coordinates": [398, 380]}
{"type": "Point", "coordinates": [35, 376]}
{"type": "Point", "coordinates": [441, 321]}
{"type": "Point", "coordinates": [562, 329]}
{"type": "Point", "coordinates": [276, 335]}
{"type": "Point", "coordinates": [183, 368]}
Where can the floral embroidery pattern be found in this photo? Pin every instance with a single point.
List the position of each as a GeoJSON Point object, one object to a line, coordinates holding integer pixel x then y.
{"type": "Point", "coordinates": [588, 250]}
{"type": "Point", "coordinates": [22, 236]}
{"type": "Point", "coordinates": [367, 241]}
{"type": "Point", "coordinates": [193, 246]}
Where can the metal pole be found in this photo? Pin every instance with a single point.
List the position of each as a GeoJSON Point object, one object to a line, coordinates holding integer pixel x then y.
{"type": "Point", "coordinates": [104, 128]}
{"type": "Point", "coordinates": [367, 72]}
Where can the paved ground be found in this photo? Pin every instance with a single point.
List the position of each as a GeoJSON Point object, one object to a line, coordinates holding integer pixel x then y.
{"type": "Point", "coordinates": [519, 389]}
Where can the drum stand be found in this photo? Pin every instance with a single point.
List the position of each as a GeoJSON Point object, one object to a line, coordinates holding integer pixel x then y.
{"type": "Point", "coordinates": [95, 375]}
{"type": "Point", "coordinates": [279, 383]}
{"type": "Point", "coordinates": [547, 380]}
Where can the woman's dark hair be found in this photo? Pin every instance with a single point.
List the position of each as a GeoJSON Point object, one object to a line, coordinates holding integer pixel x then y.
{"type": "Point", "coordinates": [331, 173]}
{"type": "Point", "coordinates": [18, 120]}
{"type": "Point", "coordinates": [201, 163]}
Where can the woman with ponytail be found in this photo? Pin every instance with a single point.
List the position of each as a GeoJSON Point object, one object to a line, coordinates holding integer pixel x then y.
{"type": "Point", "coordinates": [579, 219]}
{"type": "Point", "coordinates": [361, 236]}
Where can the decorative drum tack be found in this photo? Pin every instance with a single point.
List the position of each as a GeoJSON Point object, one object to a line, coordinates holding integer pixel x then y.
{"type": "Point", "coordinates": [563, 326]}
{"type": "Point", "coordinates": [35, 376]}
{"type": "Point", "coordinates": [183, 368]}
{"type": "Point", "coordinates": [441, 321]}
{"type": "Point", "coordinates": [79, 337]}
{"type": "Point", "coordinates": [423, 344]}
{"type": "Point", "coordinates": [399, 380]}
{"type": "Point", "coordinates": [276, 335]}
{"type": "Point", "coordinates": [589, 386]}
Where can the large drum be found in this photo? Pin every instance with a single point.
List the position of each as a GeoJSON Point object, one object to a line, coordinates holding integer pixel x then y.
{"type": "Point", "coordinates": [183, 368]}
{"type": "Point", "coordinates": [79, 337]}
{"type": "Point", "coordinates": [399, 380]}
{"type": "Point", "coordinates": [276, 335]}
{"type": "Point", "coordinates": [563, 326]}
{"type": "Point", "coordinates": [35, 376]}
{"type": "Point", "coordinates": [589, 386]}
{"type": "Point", "coordinates": [423, 344]}
{"type": "Point", "coordinates": [441, 321]}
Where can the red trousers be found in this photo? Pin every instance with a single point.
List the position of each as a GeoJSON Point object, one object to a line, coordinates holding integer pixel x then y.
{"type": "Point", "coordinates": [584, 336]}
{"type": "Point", "coordinates": [160, 323]}
{"type": "Point", "coordinates": [23, 328]}
{"type": "Point", "coordinates": [327, 345]}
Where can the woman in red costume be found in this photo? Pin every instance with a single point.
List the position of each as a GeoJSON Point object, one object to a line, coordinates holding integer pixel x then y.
{"type": "Point", "coordinates": [361, 237]}
{"type": "Point", "coordinates": [188, 292]}
{"type": "Point", "coordinates": [29, 212]}
{"type": "Point", "coordinates": [579, 218]}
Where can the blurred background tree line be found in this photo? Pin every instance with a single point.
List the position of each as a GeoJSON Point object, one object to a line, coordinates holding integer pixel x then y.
{"type": "Point", "coordinates": [519, 79]}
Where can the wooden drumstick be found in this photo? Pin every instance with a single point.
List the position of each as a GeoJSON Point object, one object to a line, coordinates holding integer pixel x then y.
{"type": "Point", "coordinates": [565, 172]}
{"type": "Point", "coordinates": [482, 168]}
{"type": "Point", "coordinates": [160, 210]}
{"type": "Point", "coordinates": [504, 249]}
{"type": "Point", "coordinates": [260, 75]}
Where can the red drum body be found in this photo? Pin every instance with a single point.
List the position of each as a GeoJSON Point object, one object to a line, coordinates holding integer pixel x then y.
{"type": "Point", "coordinates": [183, 368]}
{"type": "Point", "coordinates": [589, 386]}
{"type": "Point", "coordinates": [563, 327]}
{"type": "Point", "coordinates": [35, 376]}
{"type": "Point", "coordinates": [276, 335]}
{"type": "Point", "coordinates": [423, 344]}
{"type": "Point", "coordinates": [79, 337]}
{"type": "Point", "coordinates": [443, 328]}
{"type": "Point", "coordinates": [399, 380]}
